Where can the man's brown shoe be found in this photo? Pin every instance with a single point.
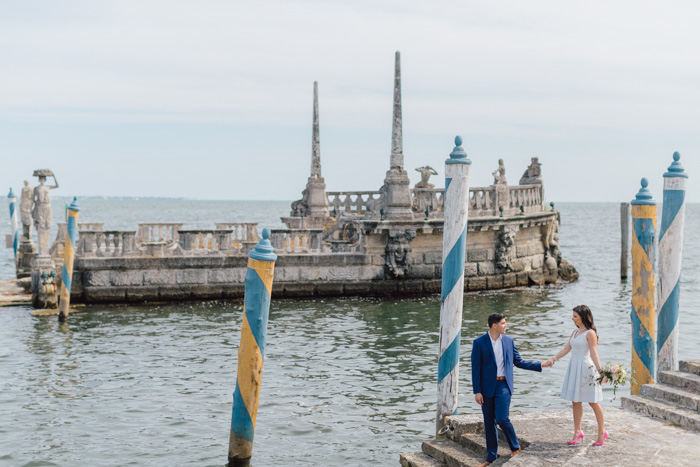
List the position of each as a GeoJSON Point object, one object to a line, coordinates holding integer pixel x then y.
{"type": "Point", "coordinates": [484, 464]}
{"type": "Point", "coordinates": [515, 453]}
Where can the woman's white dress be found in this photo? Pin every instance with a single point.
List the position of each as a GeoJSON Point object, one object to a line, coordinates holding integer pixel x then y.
{"type": "Point", "coordinates": [579, 383]}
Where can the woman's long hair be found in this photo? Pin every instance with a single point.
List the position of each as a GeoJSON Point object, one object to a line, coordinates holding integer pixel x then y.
{"type": "Point", "coordinates": [586, 317]}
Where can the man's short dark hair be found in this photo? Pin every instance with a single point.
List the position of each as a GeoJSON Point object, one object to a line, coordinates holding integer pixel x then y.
{"type": "Point", "coordinates": [495, 318]}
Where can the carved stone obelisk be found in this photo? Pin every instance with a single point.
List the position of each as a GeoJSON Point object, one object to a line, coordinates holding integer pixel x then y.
{"type": "Point", "coordinates": [397, 197]}
{"type": "Point", "coordinates": [43, 269]}
{"type": "Point", "coordinates": [312, 208]}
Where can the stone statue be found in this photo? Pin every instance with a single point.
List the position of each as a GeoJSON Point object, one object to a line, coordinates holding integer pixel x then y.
{"type": "Point", "coordinates": [533, 174]}
{"type": "Point", "coordinates": [425, 173]}
{"type": "Point", "coordinates": [25, 211]}
{"type": "Point", "coordinates": [504, 249]}
{"type": "Point", "coordinates": [499, 176]}
{"type": "Point", "coordinates": [300, 208]}
{"type": "Point", "coordinates": [41, 209]}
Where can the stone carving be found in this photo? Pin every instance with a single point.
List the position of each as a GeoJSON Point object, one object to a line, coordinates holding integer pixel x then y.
{"type": "Point", "coordinates": [499, 175]}
{"type": "Point", "coordinates": [504, 249]}
{"type": "Point", "coordinates": [375, 207]}
{"type": "Point", "coordinates": [25, 211]}
{"type": "Point", "coordinates": [424, 199]}
{"type": "Point", "coordinates": [533, 174]}
{"type": "Point", "coordinates": [300, 208]}
{"type": "Point", "coordinates": [398, 249]}
{"type": "Point", "coordinates": [425, 173]}
{"type": "Point", "coordinates": [41, 209]}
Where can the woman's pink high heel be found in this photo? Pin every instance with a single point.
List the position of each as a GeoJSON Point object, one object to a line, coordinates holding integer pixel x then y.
{"type": "Point", "coordinates": [580, 436]}
{"type": "Point", "coordinates": [605, 436]}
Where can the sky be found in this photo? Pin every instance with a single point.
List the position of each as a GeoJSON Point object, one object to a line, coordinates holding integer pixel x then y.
{"type": "Point", "coordinates": [212, 99]}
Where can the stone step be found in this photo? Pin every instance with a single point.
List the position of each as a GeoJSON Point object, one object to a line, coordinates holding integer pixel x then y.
{"type": "Point", "coordinates": [690, 366]}
{"type": "Point", "coordinates": [418, 459]}
{"type": "Point", "coordinates": [671, 395]}
{"type": "Point", "coordinates": [476, 443]}
{"type": "Point", "coordinates": [451, 454]}
{"type": "Point", "coordinates": [680, 379]}
{"type": "Point", "coordinates": [463, 424]}
{"type": "Point", "coordinates": [677, 416]}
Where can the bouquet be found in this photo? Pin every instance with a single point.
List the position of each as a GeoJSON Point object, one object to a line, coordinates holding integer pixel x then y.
{"type": "Point", "coordinates": [615, 374]}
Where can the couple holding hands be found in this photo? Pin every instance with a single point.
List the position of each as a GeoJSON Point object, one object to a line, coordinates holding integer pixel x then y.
{"type": "Point", "coordinates": [493, 356]}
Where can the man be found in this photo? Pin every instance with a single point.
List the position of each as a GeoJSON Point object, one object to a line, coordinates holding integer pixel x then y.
{"type": "Point", "coordinates": [493, 357]}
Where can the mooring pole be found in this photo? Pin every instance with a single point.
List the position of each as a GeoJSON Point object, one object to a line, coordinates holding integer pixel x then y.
{"type": "Point", "coordinates": [68, 256]}
{"type": "Point", "coordinates": [624, 238]}
{"type": "Point", "coordinates": [454, 247]}
{"type": "Point", "coordinates": [670, 256]}
{"type": "Point", "coordinates": [14, 234]}
{"type": "Point", "coordinates": [258, 288]}
{"type": "Point", "coordinates": [643, 288]}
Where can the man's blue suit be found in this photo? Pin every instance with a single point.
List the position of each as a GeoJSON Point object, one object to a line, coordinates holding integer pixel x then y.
{"type": "Point", "coordinates": [496, 394]}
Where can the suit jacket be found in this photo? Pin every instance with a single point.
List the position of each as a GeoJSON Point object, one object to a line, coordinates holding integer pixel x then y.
{"type": "Point", "coordinates": [484, 369]}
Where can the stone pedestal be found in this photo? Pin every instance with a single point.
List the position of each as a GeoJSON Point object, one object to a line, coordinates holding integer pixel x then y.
{"type": "Point", "coordinates": [397, 201]}
{"type": "Point", "coordinates": [25, 258]}
{"type": "Point", "coordinates": [317, 201]}
{"type": "Point", "coordinates": [44, 283]}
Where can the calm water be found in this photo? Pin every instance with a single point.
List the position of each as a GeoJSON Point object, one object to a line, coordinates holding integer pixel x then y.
{"type": "Point", "coordinates": [346, 382]}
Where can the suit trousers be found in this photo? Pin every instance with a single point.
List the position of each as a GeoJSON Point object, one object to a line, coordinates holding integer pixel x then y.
{"type": "Point", "coordinates": [496, 412]}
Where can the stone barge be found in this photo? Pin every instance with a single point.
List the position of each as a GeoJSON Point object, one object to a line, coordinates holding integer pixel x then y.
{"type": "Point", "coordinates": [384, 242]}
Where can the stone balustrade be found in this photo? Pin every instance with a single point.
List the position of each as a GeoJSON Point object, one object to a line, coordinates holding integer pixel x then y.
{"type": "Point", "coordinates": [296, 241]}
{"type": "Point", "coordinates": [528, 196]}
{"type": "Point", "coordinates": [205, 241]}
{"type": "Point", "coordinates": [354, 202]}
{"type": "Point", "coordinates": [56, 250]}
{"type": "Point", "coordinates": [240, 232]}
{"type": "Point", "coordinates": [106, 243]}
{"type": "Point", "coordinates": [158, 232]}
{"type": "Point", "coordinates": [483, 201]}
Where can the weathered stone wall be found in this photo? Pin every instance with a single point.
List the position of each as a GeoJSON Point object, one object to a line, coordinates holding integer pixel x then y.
{"type": "Point", "coordinates": [138, 279]}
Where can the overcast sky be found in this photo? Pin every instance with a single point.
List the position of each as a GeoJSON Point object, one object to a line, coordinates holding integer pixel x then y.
{"type": "Point", "coordinates": [213, 99]}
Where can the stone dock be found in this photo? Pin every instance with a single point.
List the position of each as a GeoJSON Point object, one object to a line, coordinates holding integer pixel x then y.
{"type": "Point", "coordinates": [667, 432]}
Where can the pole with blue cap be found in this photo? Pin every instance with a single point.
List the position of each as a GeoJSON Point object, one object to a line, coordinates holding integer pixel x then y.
{"type": "Point", "coordinates": [14, 234]}
{"type": "Point", "coordinates": [643, 288]}
{"type": "Point", "coordinates": [454, 247]}
{"type": "Point", "coordinates": [68, 257]}
{"type": "Point", "coordinates": [258, 288]}
{"type": "Point", "coordinates": [670, 256]}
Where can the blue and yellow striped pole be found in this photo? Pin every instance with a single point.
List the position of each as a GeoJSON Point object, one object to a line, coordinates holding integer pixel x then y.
{"type": "Point", "coordinates": [643, 288]}
{"type": "Point", "coordinates": [258, 288]}
{"type": "Point", "coordinates": [68, 256]}
{"type": "Point", "coordinates": [454, 247]}
{"type": "Point", "coordinates": [12, 200]}
{"type": "Point", "coordinates": [670, 256]}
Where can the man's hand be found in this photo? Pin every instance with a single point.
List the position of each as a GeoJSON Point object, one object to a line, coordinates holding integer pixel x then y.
{"type": "Point", "coordinates": [479, 398]}
{"type": "Point", "coordinates": [547, 363]}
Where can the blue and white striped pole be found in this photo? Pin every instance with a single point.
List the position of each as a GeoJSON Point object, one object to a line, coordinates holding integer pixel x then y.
{"type": "Point", "coordinates": [454, 247]}
{"type": "Point", "coordinates": [256, 309]}
{"type": "Point", "coordinates": [670, 256]}
{"type": "Point", "coordinates": [12, 200]}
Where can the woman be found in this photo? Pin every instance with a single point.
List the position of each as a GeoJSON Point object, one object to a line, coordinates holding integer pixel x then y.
{"type": "Point", "coordinates": [580, 383]}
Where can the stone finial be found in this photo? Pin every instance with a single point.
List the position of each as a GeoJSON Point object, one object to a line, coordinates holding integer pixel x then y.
{"type": "Point", "coordinates": [676, 168]}
{"type": "Point", "coordinates": [315, 140]}
{"type": "Point", "coordinates": [396, 130]}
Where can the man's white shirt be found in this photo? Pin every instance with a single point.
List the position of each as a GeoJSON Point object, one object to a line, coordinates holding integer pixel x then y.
{"type": "Point", "coordinates": [498, 352]}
